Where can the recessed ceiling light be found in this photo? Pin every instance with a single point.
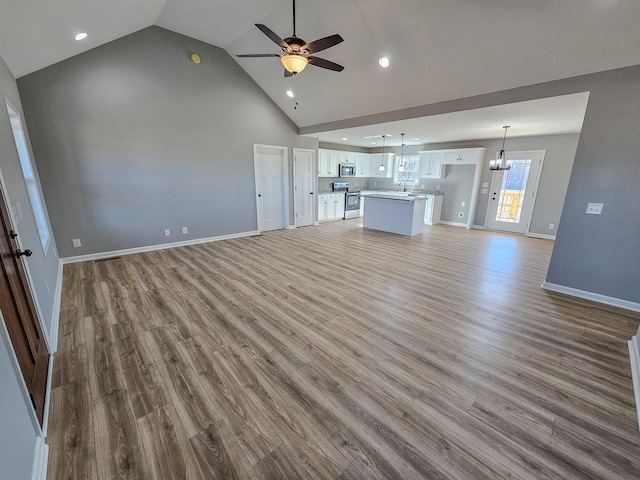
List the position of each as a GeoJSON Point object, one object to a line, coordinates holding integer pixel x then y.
{"type": "Point", "coordinates": [384, 62]}
{"type": "Point", "coordinates": [290, 93]}
{"type": "Point", "coordinates": [81, 36]}
{"type": "Point", "coordinates": [344, 139]}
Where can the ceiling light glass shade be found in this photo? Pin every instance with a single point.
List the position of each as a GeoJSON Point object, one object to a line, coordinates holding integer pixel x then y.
{"type": "Point", "coordinates": [294, 63]}
{"type": "Point", "coordinates": [383, 62]}
{"type": "Point", "coordinates": [81, 36]}
{"type": "Point", "coordinates": [381, 169]}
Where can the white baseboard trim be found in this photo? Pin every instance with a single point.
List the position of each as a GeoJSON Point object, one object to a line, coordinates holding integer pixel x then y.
{"type": "Point", "coordinates": [541, 235]}
{"type": "Point", "coordinates": [454, 224]}
{"type": "Point", "coordinates": [292, 227]}
{"type": "Point", "coordinates": [40, 458]}
{"type": "Point", "coordinates": [55, 311]}
{"type": "Point", "coordinates": [596, 297]}
{"type": "Point", "coordinates": [151, 248]}
{"type": "Point", "coordinates": [634, 358]}
{"type": "Point", "coordinates": [478, 227]}
{"type": "Point", "coordinates": [47, 398]}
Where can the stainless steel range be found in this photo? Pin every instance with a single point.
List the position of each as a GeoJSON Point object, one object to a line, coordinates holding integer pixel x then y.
{"type": "Point", "coordinates": [352, 200]}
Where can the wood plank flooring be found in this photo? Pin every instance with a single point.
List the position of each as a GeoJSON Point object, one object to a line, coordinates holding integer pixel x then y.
{"type": "Point", "coordinates": [333, 352]}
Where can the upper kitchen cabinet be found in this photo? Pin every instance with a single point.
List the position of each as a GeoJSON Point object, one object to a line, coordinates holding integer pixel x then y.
{"type": "Point", "coordinates": [385, 159]}
{"type": "Point", "coordinates": [328, 163]}
{"type": "Point", "coordinates": [431, 165]}
{"type": "Point", "coordinates": [463, 156]}
{"type": "Point", "coordinates": [363, 165]}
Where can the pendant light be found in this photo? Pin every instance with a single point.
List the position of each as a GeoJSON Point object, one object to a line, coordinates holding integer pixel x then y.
{"type": "Point", "coordinates": [401, 166]}
{"type": "Point", "coordinates": [382, 169]}
{"type": "Point", "coordinates": [501, 162]}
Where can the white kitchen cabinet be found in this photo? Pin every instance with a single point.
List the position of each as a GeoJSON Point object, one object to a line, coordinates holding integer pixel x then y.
{"type": "Point", "coordinates": [340, 200]}
{"type": "Point", "coordinates": [387, 160]}
{"type": "Point", "coordinates": [330, 207]}
{"type": "Point", "coordinates": [431, 164]}
{"type": "Point", "coordinates": [322, 208]}
{"type": "Point", "coordinates": [363, 165]}
{"type": "Point", "coordinates": [433, 210]}
{"type": "Point", "coordinates": [328, 162]}
{"type": "Point", "coordinates": [464, 156]}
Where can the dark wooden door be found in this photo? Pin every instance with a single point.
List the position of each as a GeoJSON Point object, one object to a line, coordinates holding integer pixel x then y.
{"type": "Point", "coordinates": [20, 315]}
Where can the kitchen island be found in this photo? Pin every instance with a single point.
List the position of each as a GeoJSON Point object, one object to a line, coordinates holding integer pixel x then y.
{"type": "Point", "coordinates": [401, 214]}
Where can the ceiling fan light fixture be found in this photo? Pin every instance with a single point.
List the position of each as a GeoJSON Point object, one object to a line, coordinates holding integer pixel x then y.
{"type": "Point", "coordinates": [294, 63]}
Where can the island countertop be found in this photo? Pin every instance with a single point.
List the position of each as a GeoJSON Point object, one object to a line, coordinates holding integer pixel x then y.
{"type": "Point", "coordinates": [395, 196]}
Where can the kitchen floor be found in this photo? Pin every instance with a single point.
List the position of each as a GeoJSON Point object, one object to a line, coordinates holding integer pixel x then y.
{"type": "Point", "coordinates": [335, 352]}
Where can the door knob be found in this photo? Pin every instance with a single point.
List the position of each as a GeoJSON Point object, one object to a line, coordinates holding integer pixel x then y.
{"type": "Point", "coordinates": [26, 253]}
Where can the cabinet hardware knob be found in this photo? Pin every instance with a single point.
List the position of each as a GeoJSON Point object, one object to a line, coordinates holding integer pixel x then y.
{"type": "Point", "coordinates": [26, 253]}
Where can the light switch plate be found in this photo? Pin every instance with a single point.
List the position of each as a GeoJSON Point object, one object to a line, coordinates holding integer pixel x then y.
{"type": "Point", "coordinates": [594, 208]}
{"type": "Point", "coordinates": [76, 243]}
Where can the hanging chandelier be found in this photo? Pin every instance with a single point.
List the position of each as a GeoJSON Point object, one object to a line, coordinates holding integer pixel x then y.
{"type": "Point", "coordinates": [501, 163]}
{"type": "Point", "coordinates": [401, 166]}
{"type": "Point", "coordinates": [382, 169]}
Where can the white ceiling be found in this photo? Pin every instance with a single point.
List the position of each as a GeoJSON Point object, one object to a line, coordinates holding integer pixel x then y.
{"type": "Point", "coordinates": [547, 116]}
{"type": "Point", "coordinates": [439, 50]}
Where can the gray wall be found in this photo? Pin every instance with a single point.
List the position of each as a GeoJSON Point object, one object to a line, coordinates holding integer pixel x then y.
{"type": "Point", "coordinates": [132, 138]}
{"type": "Point", "coordinates": [596, 254]}
{"type": "Point", "coordinates": [554, 179]}
{"type": "Point", "coordinates": [18, 434]}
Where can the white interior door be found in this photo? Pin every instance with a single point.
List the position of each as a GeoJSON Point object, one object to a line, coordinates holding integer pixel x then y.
{"type": "Point", "coordinates": [303, 186]}
{"type": "Point", "coordinates": [513, 192]}
{"type": "Point", "coordinates": [270, 164]}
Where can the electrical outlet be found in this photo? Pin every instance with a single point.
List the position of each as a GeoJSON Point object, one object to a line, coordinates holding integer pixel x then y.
{"type": "Point", "coordinates": [76, 243]}
{"type": "Point", "coordinates": [485, 191]}
{"type": "Point", "coordinates": [185, 230]}
{"type": "Point", "coordinates": [485, 184]}
{"type": "Point", "coordinates": [594, 208]}
{"type": "Point", "coordinates": [167, 232]}
{"type": "Point", "coordinates": [462, 204]}
{"type": "Point", "coordinates": [552, 226]}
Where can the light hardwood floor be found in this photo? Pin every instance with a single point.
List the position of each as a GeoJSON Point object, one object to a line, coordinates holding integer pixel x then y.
{"type": "Point", "coordinates": [331, 352]}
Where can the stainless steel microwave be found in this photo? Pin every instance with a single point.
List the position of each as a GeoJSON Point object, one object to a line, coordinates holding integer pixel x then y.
{"type": "Point", "coordinates": [347, 169]}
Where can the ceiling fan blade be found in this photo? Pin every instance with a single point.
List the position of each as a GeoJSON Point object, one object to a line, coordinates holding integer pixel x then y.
{"type": "Point", "coordinates": [287, 73]}
{"type": "Point", "coordinates": [322, 63]}
{"type": "Point", "coordinates": [273, 36]}
{"type": "Point", "coordinates": [259, 55]}
{"type": "Point", "coordinates": [322, 43]}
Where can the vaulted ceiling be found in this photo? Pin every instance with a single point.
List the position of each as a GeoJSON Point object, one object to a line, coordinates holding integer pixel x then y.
{"type": "Point", "coordinates": [438, 49]}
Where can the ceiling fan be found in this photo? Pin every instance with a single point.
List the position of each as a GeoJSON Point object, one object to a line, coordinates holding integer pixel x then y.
{"type": "Point", "coordinates": [298, 53]}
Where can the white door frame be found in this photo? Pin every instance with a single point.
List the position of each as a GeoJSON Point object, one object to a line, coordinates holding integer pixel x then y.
{"type": "Point", "coordinates": [284, 152]}
{"type": "Point", "coordinates": [516, 155]}
{"type": "Point", "coordinates": [314, 185]}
